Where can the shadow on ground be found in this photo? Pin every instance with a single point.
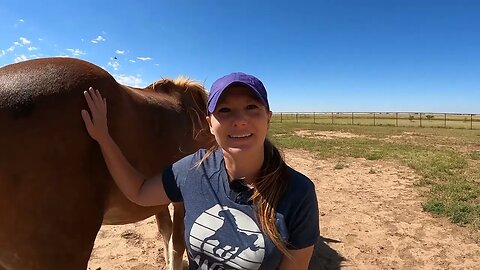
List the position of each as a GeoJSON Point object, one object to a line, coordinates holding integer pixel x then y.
{"type": "Point", "coordinates": [324, 257]}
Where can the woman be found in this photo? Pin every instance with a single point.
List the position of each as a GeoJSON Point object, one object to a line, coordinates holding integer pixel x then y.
{"type": "Point", "coordinates": [244, 207]}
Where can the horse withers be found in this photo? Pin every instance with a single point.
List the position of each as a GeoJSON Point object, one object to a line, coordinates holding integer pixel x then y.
{"type": "Point", "coordinates": [55, 189]}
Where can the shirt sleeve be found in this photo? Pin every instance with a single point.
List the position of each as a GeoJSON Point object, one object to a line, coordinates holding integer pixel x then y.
{"type": "Point", "coordinates": [174, 177]}
{"type": "Point", "coordinates": [170, 185]}
{"type": "Point", "coordinates": [304, 225]}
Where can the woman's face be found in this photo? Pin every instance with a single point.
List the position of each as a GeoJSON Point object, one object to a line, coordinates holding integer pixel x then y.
{"type": "Point", "coordinates": [240, 121]}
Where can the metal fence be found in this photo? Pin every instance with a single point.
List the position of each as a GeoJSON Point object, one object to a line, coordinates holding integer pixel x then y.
{"type": "Point", "coordinates": [397, 119]}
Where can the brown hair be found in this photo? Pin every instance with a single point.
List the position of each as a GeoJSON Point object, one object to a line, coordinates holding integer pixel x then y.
{"type": "Point", "coordinates": [269, 188]}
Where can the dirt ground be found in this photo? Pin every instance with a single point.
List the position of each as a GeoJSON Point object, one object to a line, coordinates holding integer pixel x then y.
{"type": "Point", "coordinates": [370, 216]}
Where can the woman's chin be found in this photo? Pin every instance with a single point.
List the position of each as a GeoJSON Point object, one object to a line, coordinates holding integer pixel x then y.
{"type": "Point", "coordinates": [249, 149]}
{"type": "Point", "coordinates": [238, 150]}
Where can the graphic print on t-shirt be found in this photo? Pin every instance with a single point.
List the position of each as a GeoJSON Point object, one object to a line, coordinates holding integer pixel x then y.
{"type": "Point", "coordinates": [229, 237]}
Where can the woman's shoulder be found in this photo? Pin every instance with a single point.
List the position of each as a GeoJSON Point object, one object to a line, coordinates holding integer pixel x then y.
{"type": "Point", "coordinates": [300, 195]}
{"type": "Point", "coordinates": [191, 161]}
{"type": "Point", "coordinates": [298, 181]}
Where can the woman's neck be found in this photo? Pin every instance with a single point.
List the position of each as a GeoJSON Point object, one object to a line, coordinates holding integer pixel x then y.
{"type": "Point", "coordinates": [243, 165]}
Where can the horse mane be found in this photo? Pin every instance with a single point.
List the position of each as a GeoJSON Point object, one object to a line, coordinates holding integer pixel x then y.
{"type": "Point", "coordinates": [194, 90]}
{"type": "Point", "coordinates": [181, 81]}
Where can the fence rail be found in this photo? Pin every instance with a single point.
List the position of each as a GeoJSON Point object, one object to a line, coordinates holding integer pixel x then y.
{"type": "Point", "coordinates": [397, 119]}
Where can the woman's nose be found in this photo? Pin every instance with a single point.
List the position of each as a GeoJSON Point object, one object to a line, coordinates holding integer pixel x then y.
{"type": "Point", "coordinates": [239, 118]}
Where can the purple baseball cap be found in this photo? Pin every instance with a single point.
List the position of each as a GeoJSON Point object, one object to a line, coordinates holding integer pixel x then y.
{"type": "Point", "coordinates": [237, 77]}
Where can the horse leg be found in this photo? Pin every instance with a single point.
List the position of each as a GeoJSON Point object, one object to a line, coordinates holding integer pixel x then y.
{"type": "Point", "coordinates": [178, 240]}
{"type": "Point", "coordinates": [165, 228]}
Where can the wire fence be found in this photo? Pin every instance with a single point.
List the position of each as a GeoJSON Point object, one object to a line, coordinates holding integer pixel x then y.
{"type": "Point", "coordinates": [397, 119]}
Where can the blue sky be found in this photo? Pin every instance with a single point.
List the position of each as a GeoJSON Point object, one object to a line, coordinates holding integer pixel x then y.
{"type": "Point", "coordinates": [335, 55]}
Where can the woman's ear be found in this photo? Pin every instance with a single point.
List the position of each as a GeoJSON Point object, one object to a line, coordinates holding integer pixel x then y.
{"type": "Point", "coordinates": [209, 120]}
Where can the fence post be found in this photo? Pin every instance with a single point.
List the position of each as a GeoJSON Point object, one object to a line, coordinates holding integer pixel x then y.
{"type": "Point", "coordinates": [445, 120]}
{"type": "Point", "coordinates": [352, 118]}
{"type": "Point", "coordinates": [281, 117]}
{"type": "Point", "coordinates": [296, 117]}
{"type": "Point", "coordinates": [374, 119]}
{"type": "Point", "coordinates": [314, 117]}
{"type": "Point", "coordinates": [471, 121]}
{"type": "Point", "coordinates": [332, 118]}
{"type": "Point", "coordinates": [420, 119]}
{"type": "Point", "coordinates": [396, 119]}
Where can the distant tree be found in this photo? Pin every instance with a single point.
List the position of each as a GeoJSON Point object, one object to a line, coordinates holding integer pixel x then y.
{"type": "Point", "coordinates": [429, 116]}
{"type": "Point", "coordinates": [411, 117]}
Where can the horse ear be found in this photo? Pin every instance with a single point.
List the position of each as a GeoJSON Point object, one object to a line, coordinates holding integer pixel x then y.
{"type": "Point", "coordinates": [163, 85]}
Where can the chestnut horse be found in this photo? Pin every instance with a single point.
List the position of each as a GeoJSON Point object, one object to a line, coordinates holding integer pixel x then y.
{"type": "Point", "coordinates": [55, 189]}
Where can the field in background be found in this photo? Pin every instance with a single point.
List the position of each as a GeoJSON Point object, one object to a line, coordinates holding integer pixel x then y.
{"type": "Point", "coordinates": [406, 119]}
{"type": "Point", "coordinates": [447, 160]}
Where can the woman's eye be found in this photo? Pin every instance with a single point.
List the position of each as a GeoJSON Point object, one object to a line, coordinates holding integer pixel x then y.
{"type": "Point", "coordinates": [223, 110]}
{"type": "Point", "coordinates": [252, 106]}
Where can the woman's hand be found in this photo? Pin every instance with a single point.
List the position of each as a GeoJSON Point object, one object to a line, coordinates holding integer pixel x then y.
{"type": "Point", "coordinates": [96, 125]}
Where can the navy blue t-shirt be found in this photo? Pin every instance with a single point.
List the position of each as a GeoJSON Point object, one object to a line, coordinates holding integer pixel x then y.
{"type": "Point", "coordinates": [223, 234]}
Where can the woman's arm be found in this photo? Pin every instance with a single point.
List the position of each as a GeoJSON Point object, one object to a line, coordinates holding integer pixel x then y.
{"type": "Point", "coordinates": [138, 189]}
{"type": "Point", "coordinates": [300, 259]}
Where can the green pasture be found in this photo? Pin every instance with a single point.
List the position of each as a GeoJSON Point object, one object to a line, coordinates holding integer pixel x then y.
{"type": "Point", "coordinates": [447, 160]}
{"type": "Point", "coordinates": [442, 120]}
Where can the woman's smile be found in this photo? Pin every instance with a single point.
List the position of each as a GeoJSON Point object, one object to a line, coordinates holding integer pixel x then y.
{"type": "Point", "coordinates": [241, 136]}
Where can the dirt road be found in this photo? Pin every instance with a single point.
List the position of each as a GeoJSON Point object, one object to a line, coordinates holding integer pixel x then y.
{"type": "Point", "coordinates": [371, 218]}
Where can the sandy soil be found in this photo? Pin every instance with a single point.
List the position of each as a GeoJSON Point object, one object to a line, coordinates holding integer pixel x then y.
{"type": "Point", "coordinates": [371, 218]}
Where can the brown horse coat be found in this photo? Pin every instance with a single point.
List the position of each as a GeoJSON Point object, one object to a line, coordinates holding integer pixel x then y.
{"type": "Point", "coordinates": [55, 190]}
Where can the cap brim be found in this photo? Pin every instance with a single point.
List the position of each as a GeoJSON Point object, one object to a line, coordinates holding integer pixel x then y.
{"type": "Point", "coordinates": [212, 103]}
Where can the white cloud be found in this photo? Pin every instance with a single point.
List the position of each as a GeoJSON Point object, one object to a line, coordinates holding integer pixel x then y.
{"type": "Point", "coordinates": [114, 64]}
{"type": "Point", "coordinates": [40, 39]}
{"type": "Point", "coordinates": [157, 65]}
{"type": "Point", "coordinates": [20, 58]}
{"type": "Point", "coordinates": [131, 61]}
{"type": "Point", "coordinates": [24, 41]}
{"type": "Point", "coordinates": [144, 58]}
{"type": "Point", "coordinates": [82, 40]}
{"type": "Point", "coordinates": [31, 48]}
{"type": "Point", "coordinates": [132, 80]}
{"type": "Point", "coordinates": [76, 52]}
{"type": "Point", "coordinates": [119, 52]}
{"type": "Point", "coordinates": [97, 39]}
{"type": "Point", "coordinates": [2, 53]}
{"type": "Point", "coordinates": [21, 20]}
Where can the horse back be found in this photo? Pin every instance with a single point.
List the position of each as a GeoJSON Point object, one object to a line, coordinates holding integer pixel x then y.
{"type": "Point", "coordinates": [52, 184]}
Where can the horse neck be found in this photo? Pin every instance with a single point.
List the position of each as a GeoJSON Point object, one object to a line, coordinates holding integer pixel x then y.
{"type": "Point", "coordinates": [160, 128]}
